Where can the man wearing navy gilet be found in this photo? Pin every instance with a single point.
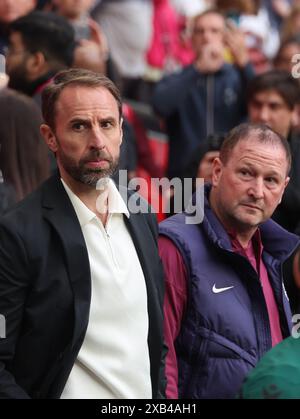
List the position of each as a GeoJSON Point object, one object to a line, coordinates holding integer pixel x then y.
{"type": "Point", "coordinates": [225, 304]}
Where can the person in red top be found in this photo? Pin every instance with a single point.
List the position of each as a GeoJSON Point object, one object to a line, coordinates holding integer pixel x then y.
{"type": "Point", "coordinates": [40, 44]}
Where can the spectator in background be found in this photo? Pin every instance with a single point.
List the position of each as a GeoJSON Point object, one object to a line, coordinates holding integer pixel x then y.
{"type": "Point", "coordinates": [77, 13]}
{"type": "Point", "coordinates": [9, 11]}
{"type": "Point", "coordinates": [12, 9]}
{"type": "Point", "coordinates": [190, 8]}
{"type": "Point", "coordinates": [40, 44]}
{"type": "Point", "coordinates": [272, 99]}
{"type": "Point", "coordinates": [91, 51]}
{"type": "Point", "coordinates": [23, 154]}
{"type": "Point", "coordinates": [3, 75]}
{"type": "Point", "coordinates": [206, 97]}
{"type": "Point", "coordinates": [236, 6]}
{"type": "Point", "coordinates": [127, 24]}
{"type": "Point", "coordinates": [200, 167]}
{"type": "Point", "coordinates": [287, 50]}
{"type": "Point", "coordinates": [45, 5]}
{"type": "Point", "coordinates": [202, 163]}
{"type": "Point", "coordinates": [253, 20]}
{"type": "Point", "coordinates": [169, 51]}
{"type": "Point", "coordinates": [225, 304]}
{"type": "Point", "coordinates": [278, 11]}
{"type": "Point", "coordinates": [291, 25]}
{"type": "Point", "coordinates": [287, 59]}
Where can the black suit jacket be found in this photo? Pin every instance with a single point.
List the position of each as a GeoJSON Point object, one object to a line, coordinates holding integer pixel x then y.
{"type": "Point", "coordinates": [45, 292]}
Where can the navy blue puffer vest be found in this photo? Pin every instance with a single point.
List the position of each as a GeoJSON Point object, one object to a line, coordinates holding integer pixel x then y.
{"type": "Point", "coordinates": [224, 334]}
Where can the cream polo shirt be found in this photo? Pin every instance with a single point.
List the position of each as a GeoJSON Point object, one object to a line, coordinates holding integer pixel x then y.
{"type": "Point", "coordinates": [113, 361]}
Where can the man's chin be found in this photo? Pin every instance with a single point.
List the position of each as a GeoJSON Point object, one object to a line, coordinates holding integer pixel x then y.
{"type": "Point", "coordinates": [250, 220]}
{"type": "Point", "coordinates": [92, 180]}
{"type": "Point", "coordinates": [92, 177]}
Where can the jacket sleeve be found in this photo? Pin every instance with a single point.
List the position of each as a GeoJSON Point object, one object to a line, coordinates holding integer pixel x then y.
{"type": "Point", "coordinates": [171, 91]}
{"type": "Point", "coordinates": [175, 302]}
{"type": "Point", "coordinates": [13, 289]}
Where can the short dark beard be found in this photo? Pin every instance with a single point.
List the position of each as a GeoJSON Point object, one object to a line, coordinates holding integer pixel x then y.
{"type": "Point", "coordinates": [88, 176]}
{"type": "Point", "coordinates": [18, 80]}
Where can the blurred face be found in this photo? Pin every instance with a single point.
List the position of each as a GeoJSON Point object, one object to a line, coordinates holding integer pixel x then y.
{"type": "Point", "coordinates": [16, 60]}
{"type": "Point", "coordinates": [248, 188]}
{"type": "Point", "coordinates": [72, 9]}
{"type": "Point", "coordinates": [284, 59]}
{"type": "Point", "coordinates": [296, 23]}
{"type": "Point", "coordinates": [87, 134]}
{"type": "Point", "coordinates": [268, 107]}
{"type": "Point", "coordinates": [208, 29]}
{"type": "Point", "coordinates": [12, 9]}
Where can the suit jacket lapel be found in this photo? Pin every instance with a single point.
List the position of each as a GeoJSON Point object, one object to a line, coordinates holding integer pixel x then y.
{"type": "Point", "coordinates": [58, 210]}
{"type": "Point", "coordinates": [140, 233]}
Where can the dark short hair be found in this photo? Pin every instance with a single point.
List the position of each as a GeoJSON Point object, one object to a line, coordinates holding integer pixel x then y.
{"type": "Point", "coordinates": [261, 133]}
{"type": "Point", "coordinates": [278, 80]}
{"type": "Point", "coordinates": [75, 77]}
{"type": "Point", "coordinates": [210, 11]}
{"type": "Point", "coordinates": [294, 39]}
{"type": "Point", "coordinates": [48, 33]}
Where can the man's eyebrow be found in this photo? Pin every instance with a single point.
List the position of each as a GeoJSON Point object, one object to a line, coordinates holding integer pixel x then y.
{"type": "Point", "coordinates": [249, 165]}
{"type": "Point", "coordinates": [78, 119]}
{"type": "Point", "coordinates": [273, 173]}
{"type": "Point", "coordinates": [245, 163]}
{"type": "Point", "coordinates": [109, 119]}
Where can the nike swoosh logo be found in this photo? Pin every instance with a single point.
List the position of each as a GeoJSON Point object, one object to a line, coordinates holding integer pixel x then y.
{"type": "Point", "coordinates": [216, 290]}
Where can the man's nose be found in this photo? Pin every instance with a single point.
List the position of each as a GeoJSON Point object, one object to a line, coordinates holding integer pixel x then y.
{"type": "Point", "coordinates": [97, 138]}
{"type": "Point", "coordinates": [264, 114]}
{"type": "Point", "coordinates": [257, 188]}
{"type": "Point", "coordinates": [206, 36]}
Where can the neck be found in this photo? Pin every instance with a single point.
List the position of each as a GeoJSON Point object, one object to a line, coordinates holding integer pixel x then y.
{"type": "Point", "coordinates": [244, 239]}
{"type": "Point", "coordinates": [95, 200]}
{"type": "Point", "coordinates": [31, 87]}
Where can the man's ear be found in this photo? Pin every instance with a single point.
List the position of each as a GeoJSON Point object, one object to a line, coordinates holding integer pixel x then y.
{"type": "Point", "coordinates": [49, 137]}
{"type": "Point", "coordinates": [121, 129]}
{"type": "Point", "coordinates": [285, 185]}
{"type": "Point", "coordinates": [296, 116]}
{"type": "Point", "coordinates": [36, 65]}
{"type": "Point", "coordinates": [286, 182]}
{"type": "Point", "coordinates": [217, 167]}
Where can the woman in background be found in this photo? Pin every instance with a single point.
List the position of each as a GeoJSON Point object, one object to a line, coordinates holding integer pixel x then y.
{"type": "Point", "coordinates": [24, 159]}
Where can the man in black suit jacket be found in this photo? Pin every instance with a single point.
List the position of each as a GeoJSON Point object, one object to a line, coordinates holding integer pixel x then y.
{"type": "Point", "coordinates": [47, 267]}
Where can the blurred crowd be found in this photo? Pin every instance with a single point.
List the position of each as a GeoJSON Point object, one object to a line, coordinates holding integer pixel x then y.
{"type": "Point", "coordinates": [188, 71]}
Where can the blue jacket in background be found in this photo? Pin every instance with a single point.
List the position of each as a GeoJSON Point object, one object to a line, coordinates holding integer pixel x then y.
{"type": "Point", "coordinates": [195, 105]}
{"type": "Point", "coordinates": [223, 335]}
